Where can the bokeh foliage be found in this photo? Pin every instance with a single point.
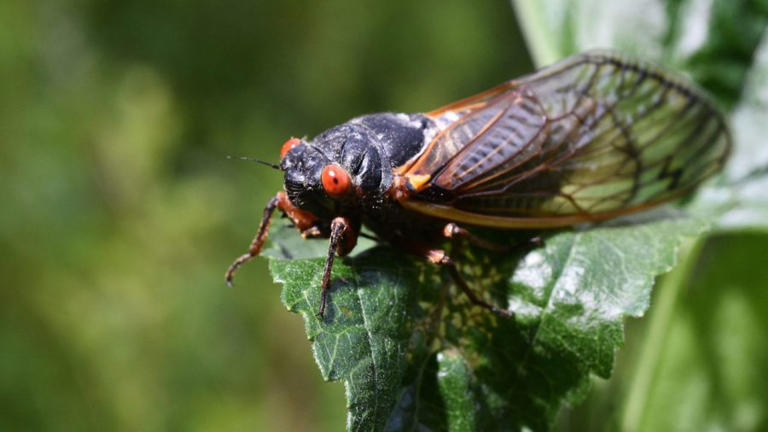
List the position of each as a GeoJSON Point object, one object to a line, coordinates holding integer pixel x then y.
{"type": "Point", "coordinates": [122, 212]}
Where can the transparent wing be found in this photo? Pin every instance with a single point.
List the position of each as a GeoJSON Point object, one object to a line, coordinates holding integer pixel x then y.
{"type": "Point", "coordinates": [592, 137]}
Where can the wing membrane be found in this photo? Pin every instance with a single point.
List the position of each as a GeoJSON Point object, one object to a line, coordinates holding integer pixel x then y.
{"type": "Point", "coordinates": [592, 137]}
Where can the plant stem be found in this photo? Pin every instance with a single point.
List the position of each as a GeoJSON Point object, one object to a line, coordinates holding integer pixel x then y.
{"type": "Point", "coordinates": [669, 290]}
{"type": "Point", "coordinates": [530, 19]}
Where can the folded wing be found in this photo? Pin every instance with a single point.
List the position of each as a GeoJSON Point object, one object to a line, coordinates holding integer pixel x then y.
{"type": "Point", "coordinates": [592, 137]}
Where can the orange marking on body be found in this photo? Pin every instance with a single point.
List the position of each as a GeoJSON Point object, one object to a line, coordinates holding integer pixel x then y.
{"type": "Point", "coordinates": [417, 181]}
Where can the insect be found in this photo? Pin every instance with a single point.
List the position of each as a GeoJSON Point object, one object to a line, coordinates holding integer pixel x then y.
{"type": "Point", "coordinates": [593, 137]}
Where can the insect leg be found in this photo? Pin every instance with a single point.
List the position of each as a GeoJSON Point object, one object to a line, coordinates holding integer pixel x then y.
{"type": "Point", "coordinates": [313, 232]}
{"type": "Point", "coordinates": [438, 256]}
{"type": "Point", "coordinates": [339, 228]}
{"type": "Point", "coordinates": [453, 231]}
{"type": "Point", "coordinates": [258, 240]}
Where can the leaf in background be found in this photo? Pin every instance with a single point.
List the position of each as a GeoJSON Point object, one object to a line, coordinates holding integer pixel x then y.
{"type": "Point", "coordinates": [712, 40]}
{"type": "Point", "coordinates": [749, 120]}
{"type": "Point", "coordinates": [710, 372]}
{"type": "Point", "coordinates": [742, 199]}
{"type": "Point", "coordinates": [720, 43]}
{"type": "Point", "coordinates": [555, 29]}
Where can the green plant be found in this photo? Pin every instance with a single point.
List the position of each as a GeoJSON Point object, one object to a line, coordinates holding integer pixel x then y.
{"type": "Point", "coordinates": [413, 354]}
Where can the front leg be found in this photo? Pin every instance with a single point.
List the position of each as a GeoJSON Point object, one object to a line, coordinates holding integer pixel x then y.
{"type": "Point", "coordinates": [258, 240]}
{"type": "Point", "coordinates": [304, 221]}
{"type": "Point", "coordinates": [343, 238]}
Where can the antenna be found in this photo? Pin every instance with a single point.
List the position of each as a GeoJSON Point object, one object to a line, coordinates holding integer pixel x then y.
{"type": "Point", "coordinates": [251, 159]}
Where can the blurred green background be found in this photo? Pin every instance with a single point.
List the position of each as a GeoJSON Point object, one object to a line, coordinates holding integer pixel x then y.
{"type": "Point", "coordinates": [122, 212]}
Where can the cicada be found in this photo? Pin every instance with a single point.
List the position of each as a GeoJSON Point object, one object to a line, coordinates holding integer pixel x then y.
{"type": "Point", "coordinates": [593, 137]}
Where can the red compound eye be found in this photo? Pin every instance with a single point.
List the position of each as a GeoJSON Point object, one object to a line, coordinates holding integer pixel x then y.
{"type": "Point", "coordinates": [335, 180]}
{"type": "Point", "coordinates": [288, 145]}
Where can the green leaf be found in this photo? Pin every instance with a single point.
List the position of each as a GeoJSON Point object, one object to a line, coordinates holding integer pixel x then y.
{"type": "Point", "coordinates": [413, 354]}
{"type": "Point", "coordinates": [364, 336]}
{"type": "Point", "coordinates": [455, 385]}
